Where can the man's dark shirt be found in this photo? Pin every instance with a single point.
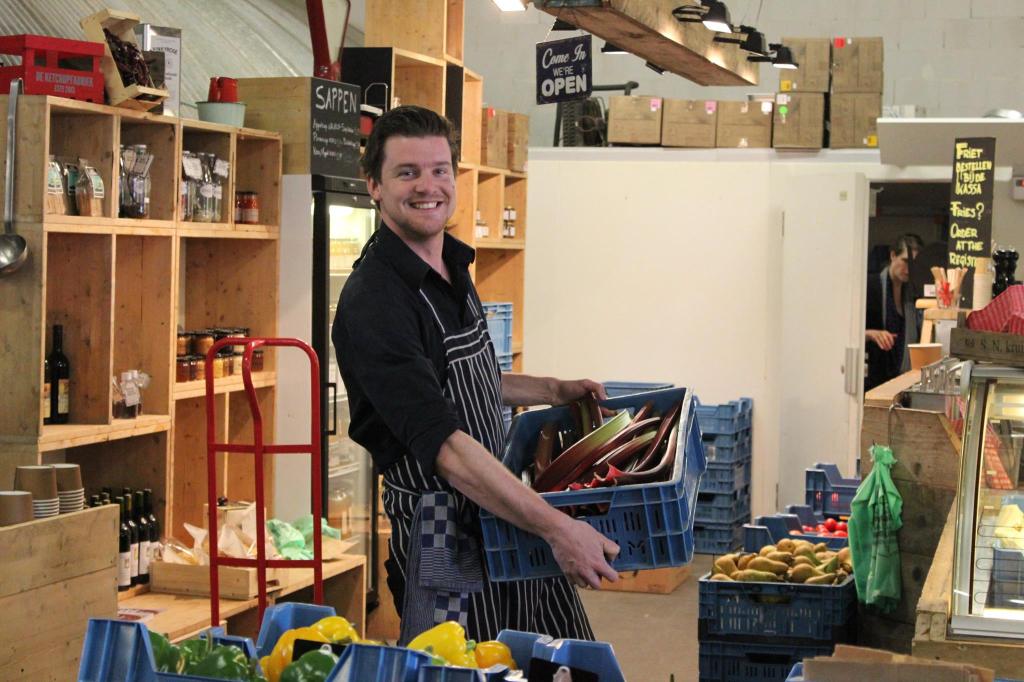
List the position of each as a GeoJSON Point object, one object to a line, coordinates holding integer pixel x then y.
{"type": "Point", "coordinates": [390, 351]}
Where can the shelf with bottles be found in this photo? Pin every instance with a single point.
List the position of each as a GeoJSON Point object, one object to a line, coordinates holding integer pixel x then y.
{"type": "Point", "coordinates": [231, 384]}
{"type": "Point", "coordinates": [205, 190]}
{"type": "Point", "coordinates": [147, 169]}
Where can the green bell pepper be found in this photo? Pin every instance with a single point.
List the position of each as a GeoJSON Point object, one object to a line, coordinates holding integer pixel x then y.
{"type": "Point", "coordinates": [168, 657]}
{"type": "Point", "coordinates": [223, 663]}
{"type": "Point", "coordinates": [313, 666]}
{"type": "Point", "coordinates": [192, 651]}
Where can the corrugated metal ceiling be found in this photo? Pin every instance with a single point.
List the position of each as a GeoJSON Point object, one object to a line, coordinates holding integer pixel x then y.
{"type": "Point", "coordinates": [239, 38]}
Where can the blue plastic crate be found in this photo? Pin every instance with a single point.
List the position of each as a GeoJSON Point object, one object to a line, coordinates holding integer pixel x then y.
{"type": "Point", "coordinates": [616, 389]}
{"type": "Point", "coordinates": [370, 663]}
{"type": "Point", "coordinates": [768, 530]}
{"type": "Point", "coordinates": [723, 507]}
{"type": "Point", "coordinates": [827, 491]}
{"type": "Point", "coordinates": [119, 651]}
{"type": "Point", "coordinates": [728, 449]}
{"type": "Point", "coordinates": [279, 618]}
{"type": "Point", "coordinates": [738, 661]}
{"type": "Point", "coordinates": [730, 417]}
{"type": "Point", "coordinates": [505, 362]}
{"type": "Point", "coordinates": [717, 538]}
{"type": "Point", "coordinates": [805, 514]}
{"type": "Point", "coordinates": [506, 417]}
{"type": "Point", "coordinates": [499, 326]}
{"type": "Point", "coordinates": [652, 522]}
{"type": "Point", "coordinates": [443, 673]}
{"type": "Point", "coordinates": [725, 478]}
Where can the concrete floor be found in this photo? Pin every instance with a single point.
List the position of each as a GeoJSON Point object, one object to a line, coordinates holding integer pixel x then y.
{"type": "Point", "coordinates": [654, 635]}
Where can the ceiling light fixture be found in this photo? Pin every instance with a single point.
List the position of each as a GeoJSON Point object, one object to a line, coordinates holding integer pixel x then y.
{"type": "Point", "coordinates": [779, 55]}
{"type": "Point", "coordinates": [748, 38]}
{"type": "Point", "coordinates": [655, 68]}
{"type": "Point", "coordinates": [612, 49]}
{"type": "Point", "coordinates": [511, 5]}
{"type": "Point", "coordinates": [712, 13]}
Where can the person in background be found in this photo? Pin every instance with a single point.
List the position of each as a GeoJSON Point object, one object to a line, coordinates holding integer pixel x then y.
{"type": "Point", "coordinates": [892, 320]}
{"type": "Point", "coordinates": [425, 394]}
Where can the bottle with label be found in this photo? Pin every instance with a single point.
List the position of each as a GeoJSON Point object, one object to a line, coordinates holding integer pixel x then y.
{"type": "Point", "coordinates": [60, 379]}
{"type": "Point", "coordinates": [133, 529]}
{"type": "Point", "coordinates": [512, 216]}
{"type": "Point", "coordinates": [154, 525]}
{"type": "Point", "coordinates": [46, 390]}
{"type": "Point", "coordinates": [142, 521]}
{"type": "Point", "coordinates": [124, 549]}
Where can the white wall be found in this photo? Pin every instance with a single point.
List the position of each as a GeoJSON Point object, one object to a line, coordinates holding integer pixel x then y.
{"type": "Point", "coordinates": [666, 265]}
{"type": "Point", "coordinates": [658, 271]}
{"type": "Point", "coordinates": [955, 57]}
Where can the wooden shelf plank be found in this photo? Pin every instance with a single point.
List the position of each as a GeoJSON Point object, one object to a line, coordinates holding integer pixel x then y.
{"type": "Point", "coordinates": [61, 436]}
{"type": "Point", "coordinates": [407, 58]}
{"type": "Point", "coordinates": [509, 244]}
{"type": "Point", "coordinates": [197, 389]}
{"type": "Point", "coordinates": [650, 31]}
{"type": "Point", "coordinates": [181, 615]}
{"type": "Point", "coordinates": [226, 234]}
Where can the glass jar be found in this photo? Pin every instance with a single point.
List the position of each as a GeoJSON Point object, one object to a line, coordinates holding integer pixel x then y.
{"type": "Point", "coordinates": [236, 363]}
{"type": "Point", "coordinates": [202, 341]}
{"type": "Point", "coordinates": [184, 368]}
{"type": "Point", "coordinates": [198, 367]}
{"type": "Point", "coordinates": [184, 343]}
{"type": "Point", "coordinates": [250, 208]}
{"type": "Point", "coordinates": [239, 205]}
{"type": "Point", "coordinates": [218, 367]}
{"type": "Point", "coordinates": [257, 360]}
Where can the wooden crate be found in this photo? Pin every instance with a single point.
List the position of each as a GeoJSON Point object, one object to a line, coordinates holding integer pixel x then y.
{"type": "Point", "coordinates": [235, 582]}
{"type": "Point", "coordinates": [431, 27]}
{"type": "Point", "coordinates": [655, 581]}
{"type": "Point", "coordinates": [122, 25]}
{"type": "Point", "coordinates": [1002, 349]}
{"type": "Point", "coordinates": [55, 574]}
{"type": "Point", "coordinates": [494, 139]}
{"type": "Point", "coordinates": [518, 140]}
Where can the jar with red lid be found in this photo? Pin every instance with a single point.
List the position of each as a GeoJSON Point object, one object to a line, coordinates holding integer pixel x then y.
{"type": "Point", "coordinates": [247, 208]}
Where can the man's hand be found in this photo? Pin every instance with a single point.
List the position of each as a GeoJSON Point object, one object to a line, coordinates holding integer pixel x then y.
{"type": "Point", "coordinates": [883, 339]}
{"type": "Point", "coordinates": [582, 553]}
{"type": "Point", "coordinates": [567, 391]}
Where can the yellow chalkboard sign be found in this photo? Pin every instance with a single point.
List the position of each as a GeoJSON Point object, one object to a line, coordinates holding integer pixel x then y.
{"type": "Point", "coordinates": [970, 204]}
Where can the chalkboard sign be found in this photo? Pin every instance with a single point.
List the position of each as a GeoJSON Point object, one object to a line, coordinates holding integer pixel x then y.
{"type": "Point", "coordinates": [564, 70]}
{"type": "Point", "coordinates": [970, 205]}
{"type": "Point", "coordinates": [334, 129]}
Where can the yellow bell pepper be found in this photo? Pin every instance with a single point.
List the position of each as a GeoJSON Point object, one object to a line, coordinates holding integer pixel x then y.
{"type": "Point", "coordinates": [447, 640]}
{"type": "Point", "coordinates": [493, 653]}
{"type": "Point", "coordinates": [281, 656]}
{"type": "Point", "coordinates": [336, 629]}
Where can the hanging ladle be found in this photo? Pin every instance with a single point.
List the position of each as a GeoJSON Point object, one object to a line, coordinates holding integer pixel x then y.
{"type": "Point", "coordinates": [13, 248]}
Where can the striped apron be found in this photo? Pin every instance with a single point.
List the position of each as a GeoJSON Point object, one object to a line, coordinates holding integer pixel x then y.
{"type": "Point", "coordinates": [547, 606]}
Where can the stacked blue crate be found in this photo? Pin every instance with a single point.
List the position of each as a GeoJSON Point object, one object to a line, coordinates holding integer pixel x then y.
{"type": "Point", "coordinates": [723, 502]}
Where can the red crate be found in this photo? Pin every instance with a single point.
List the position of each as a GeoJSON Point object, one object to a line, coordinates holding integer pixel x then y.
{"type": "Point", "coordinates": [41, 68]}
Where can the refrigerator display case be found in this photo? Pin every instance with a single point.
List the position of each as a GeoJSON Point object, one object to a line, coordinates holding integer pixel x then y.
{"type": "Point", "coordinates": [988, 563]}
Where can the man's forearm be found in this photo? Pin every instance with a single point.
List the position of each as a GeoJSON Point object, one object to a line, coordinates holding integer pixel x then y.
{"type": "Point", "coordinates": [526, 390]}
{"type": "Point", "coordinates": [475, 472]}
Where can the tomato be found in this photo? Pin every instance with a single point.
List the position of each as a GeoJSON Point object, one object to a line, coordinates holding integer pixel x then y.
{"type": "Point", "coordinates": [842, 526]}
{"type": "Point", "coordinates": [808, 529]}
{"type": "Point", "coordinates": [830, 524]}
{"type": "Point", "coordinates": [841, 534]}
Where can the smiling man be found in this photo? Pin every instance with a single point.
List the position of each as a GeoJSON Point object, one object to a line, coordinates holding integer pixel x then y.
{"type": "Point", "coordinates": [425, 396]}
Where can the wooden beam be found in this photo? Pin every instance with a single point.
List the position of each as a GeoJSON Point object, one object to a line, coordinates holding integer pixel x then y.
{"type": "Point", "coordinates": [647, 29]}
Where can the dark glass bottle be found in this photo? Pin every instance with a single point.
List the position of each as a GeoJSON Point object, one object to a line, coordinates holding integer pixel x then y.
{"type": "Point", "coordinates": [142, 521]}
{"type": "Point", "coordinates": [94, 501]}
{"type": "Point", "coordinates": [134, 530]}
{"type": "Point", "coordinates": [154, 523]}
{"type": "Point", "coordinates": [124, 549]}
{"type": "Point", "coordinates": [60, 379]}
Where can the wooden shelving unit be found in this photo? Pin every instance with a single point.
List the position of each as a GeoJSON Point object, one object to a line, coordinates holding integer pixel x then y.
{"type": "Point", "coordinates": [120, 288]}
{"type": "Point", "coordinates": [424, 38]}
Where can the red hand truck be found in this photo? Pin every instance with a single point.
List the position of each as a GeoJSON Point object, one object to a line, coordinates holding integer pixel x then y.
{"type": "Point", "coordinates": [258, 449]}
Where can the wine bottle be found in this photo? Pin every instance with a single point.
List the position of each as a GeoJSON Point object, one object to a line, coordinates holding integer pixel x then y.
{"type": "Point", "coordinates": [134, 530]}
{"type": "Point", "coordinates": [60, 379]}
{"type": "Point", "coordinates": [124, 548]}
{"type": "Point", "coordinates": [154, 525]}
{"type": "Point", "coordinates": [46, 391]}
{"type": "Point", "coordinates": [143, 523]}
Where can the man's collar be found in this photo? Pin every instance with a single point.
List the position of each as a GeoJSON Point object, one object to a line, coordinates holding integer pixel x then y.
{"type": "Point", "coordinates": [410, 267]}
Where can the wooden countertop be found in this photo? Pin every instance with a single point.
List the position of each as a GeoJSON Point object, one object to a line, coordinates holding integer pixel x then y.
{"type": "Point", "coordinates": [885, 394]}
{"type": "Point", "coordinates": [182, 615]}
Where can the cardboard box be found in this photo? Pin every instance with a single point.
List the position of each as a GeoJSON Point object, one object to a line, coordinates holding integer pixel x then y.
{"type": "Point", "coordinates": [689, 123]}
{"type": "Point", "coordinates": [518, 140]}
{"type": "Point", "coordinates": [494, 138]}
{"type": "Point", "coordinates": [744, 124]}
{"type": "Point", "coordinates": [814, 57]}
{"type": "Point", "coordinates": [799, 120]}
{"type": "Point", "coordinates": [855, 664]}
{"type": "Point", "coordinates": [857, 65]}
{"type": "Point", "coordinates": [853, 120]}
{"type": "Point", "coordinates": [634, 120]}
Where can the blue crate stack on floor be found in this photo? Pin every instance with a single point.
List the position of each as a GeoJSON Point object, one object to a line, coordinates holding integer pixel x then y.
{"type": "Point", "coordinates": [723, 501]}
{"type": "Point", "coordinates": [757, 631]}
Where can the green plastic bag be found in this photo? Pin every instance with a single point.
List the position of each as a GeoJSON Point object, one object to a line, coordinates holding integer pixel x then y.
{"type": "Point", "coordinates": [875, 519]}
{"type": "Point", "coordinates": [304, 524]}
{"type": "Point", "coordinates": [288, 540]}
